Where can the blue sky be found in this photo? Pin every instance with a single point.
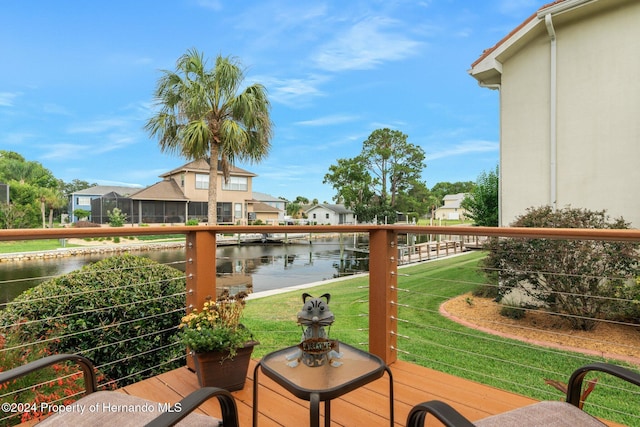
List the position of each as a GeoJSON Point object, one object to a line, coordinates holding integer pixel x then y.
{"type": "Point", "coordinates": [77, 79]}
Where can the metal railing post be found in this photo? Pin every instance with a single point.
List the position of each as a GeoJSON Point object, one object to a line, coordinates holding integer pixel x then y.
{"type": "Point", "coordinates": [383, 280]}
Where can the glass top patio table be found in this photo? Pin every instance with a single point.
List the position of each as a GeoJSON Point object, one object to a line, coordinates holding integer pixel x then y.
{"type": "Point", "coordinates": [322, 383]}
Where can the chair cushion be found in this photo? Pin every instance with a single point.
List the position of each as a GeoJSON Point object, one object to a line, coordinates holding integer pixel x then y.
{"type": "Point", "coordinates": [109, 408]}
{"type": "Point", "coordinates": [543, 414]}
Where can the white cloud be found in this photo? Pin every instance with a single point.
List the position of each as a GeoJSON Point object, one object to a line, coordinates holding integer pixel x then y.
{"type": "Point", "coordinates": [115, 142]}
{"type": "Point", "coordinates": [98, 126]}
{"type": "Point", "coordinates": [64, 151]}
{"type": "Point", "coordinates": [328, 120]}
{"type": "Point", "coordinates": [118, 183]}
{"type": "Point", "coordinates": [466, 147]}
{"type": "Point", "coordinates": [366, 45]}
{"type": "Point", "coordinates": [17, 138]}
{"type": "Point", "coordinates": [292, 92]}
{"type": "Point", "coordinates": [284, 173]}
{"type": "Point", "coordinates": [6, 98]}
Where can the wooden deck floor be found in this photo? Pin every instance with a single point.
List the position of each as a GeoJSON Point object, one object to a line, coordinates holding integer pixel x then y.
{"type": "Point", "coordinates": [367, 406]}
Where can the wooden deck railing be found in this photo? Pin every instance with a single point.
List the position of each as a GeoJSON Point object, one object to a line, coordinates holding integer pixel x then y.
{"type": "Point", "coordinates": [386, 292]}
{"type": "Point", "coordinates": [201, 245]}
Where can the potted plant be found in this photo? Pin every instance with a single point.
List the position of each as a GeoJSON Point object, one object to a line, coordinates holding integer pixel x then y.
{"type": "Point", "coordinates": [220, 344]}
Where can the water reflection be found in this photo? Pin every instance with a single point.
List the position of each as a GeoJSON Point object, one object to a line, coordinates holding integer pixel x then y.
{"type": "Point", "coordinates": [254, 267]}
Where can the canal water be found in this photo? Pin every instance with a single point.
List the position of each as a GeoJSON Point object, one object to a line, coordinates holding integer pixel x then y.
{"type": "Point", "coordinates": [253, 267]}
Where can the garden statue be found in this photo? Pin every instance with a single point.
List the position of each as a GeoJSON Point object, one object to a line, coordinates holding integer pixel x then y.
{"type": "Point", "coordinates": [315, 348]}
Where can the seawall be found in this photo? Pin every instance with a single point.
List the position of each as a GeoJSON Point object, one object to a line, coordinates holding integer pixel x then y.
{"type": "Point", "coordinates": [88, 250]}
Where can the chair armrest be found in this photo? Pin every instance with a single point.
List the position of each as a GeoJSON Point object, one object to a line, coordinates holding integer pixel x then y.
{"type": "Point", "coordinates": [442, 411]}
{"type": "Point", "coordinates": [574, 388]}
{"type": "Point", "coordinates": [195, 399]}
{"type": "Point", "coordinates": [90, 382]}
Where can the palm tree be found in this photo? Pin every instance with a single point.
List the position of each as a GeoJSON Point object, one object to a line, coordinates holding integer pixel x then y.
{"type": "Point", "coordinates": [203, 114]}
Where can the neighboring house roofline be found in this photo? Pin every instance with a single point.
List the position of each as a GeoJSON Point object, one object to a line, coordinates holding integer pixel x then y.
{"type": "Point", "coordinates": [167, 190]}
{"type": "Point", "coordinates": [202, 165]}
{"type": "Point", "coordinates": [264, 197]}
{"type": "Point", "coordinates": [260, 207]}
{"type": "Point", "coordinates": [454, 196]}
{"type": "Point", "coordinates": [487, 69]}
{"type": "Point", "coordinates": [334, 208]}
{"type": "Point", "coordinates": [99, 190]}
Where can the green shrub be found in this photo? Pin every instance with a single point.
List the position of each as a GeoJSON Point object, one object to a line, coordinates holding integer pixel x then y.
{"type": "Point", "coordinates": [192, 221]}
{"type": "Point", "coordinates": [121, 312]}
{"type": "Point", "coordinates": [81, 214]}
{"type": "Point", "coordinates": [117, 218]}
{"type": "Point", "coordinates": [579, 278]}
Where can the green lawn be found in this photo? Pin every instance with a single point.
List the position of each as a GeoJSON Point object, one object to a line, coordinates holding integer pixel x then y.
{"type": "Point", "coordinates": [434, 341]}
{"type": "Point", "coordinates": [53, 244]}
{"type": "Point", "coordinates": [31, 245]}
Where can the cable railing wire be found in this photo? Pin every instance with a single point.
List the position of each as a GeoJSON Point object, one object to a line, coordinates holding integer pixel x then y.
{"type": "Point", "coordinates": [64, 316]}
{"type": "Point", "coordinates": [539, 311]}
{"type": "Point", "coordinates": [408, 293]}
{"type": "Point", "coordinates": [91, 291]}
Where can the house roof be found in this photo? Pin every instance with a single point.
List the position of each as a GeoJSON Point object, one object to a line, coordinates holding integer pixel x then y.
{"type": "Point", "coordinates": [455, 200]}
{"type": "Point", "coordinates": [263, 197]}
{"type": "Point", "coordinates": [167, 190]}
{"type": "Point", "coordinates": [264, 208]}
{"type": "Point", "coordinates": [339, 209]}
{"type": "Point", "coordinates": [202, 165]}
{"type": "Point", "coordinates": [487, 69]}
{"type": "Point", "coordinates": [457, 196]}
{"type": "Point", "coordinates": [100, 190]}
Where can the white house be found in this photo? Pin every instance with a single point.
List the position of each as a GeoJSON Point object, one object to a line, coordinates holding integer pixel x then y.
{"type": "Point", "coordinates": [569, 104]}
{"type": "Point", "coordinates": [326, 214]}
{"type": "Point", "coordinates": [451, 208]}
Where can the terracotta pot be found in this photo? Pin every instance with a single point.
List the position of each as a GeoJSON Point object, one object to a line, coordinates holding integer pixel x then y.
{"type": "Point", "coordinates": [217, 369]}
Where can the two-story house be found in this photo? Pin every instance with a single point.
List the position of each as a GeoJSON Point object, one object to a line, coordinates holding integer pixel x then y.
{"type": "Point", "coordinates": [327, 214]}
{"type": "Point", "coordinates": [183, 194]}
{"type": "Point", "coordinates": [569, 102]}
{"type": "Point", "coordinates": [451, 208]}
{"type": "Point", "coordinates": [192, 180]}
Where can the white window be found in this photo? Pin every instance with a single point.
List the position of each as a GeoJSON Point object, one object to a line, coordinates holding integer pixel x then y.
{"type": "Point", "coordinates": [202, 181]}
{"type": "Point", "coordinates": [236, 183]}
{"type": "Point", "coordinates": [237, 211]}
{"type": "Point", "coordinates": [83, 200]}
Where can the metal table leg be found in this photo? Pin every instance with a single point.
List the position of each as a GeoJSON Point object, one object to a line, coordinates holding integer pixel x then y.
{"type": "Point", "coordinates": [314, 411]}
{"type": "Point", "coordinates": [255, 395]}
{"type": "Point", "coordinates": [391, 412]}
{"type": "Point", "coordinates": [327, 413]}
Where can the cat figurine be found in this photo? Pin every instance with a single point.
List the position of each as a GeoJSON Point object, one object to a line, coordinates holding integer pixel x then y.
{"type": "Point", "coordinates": [315, 348]}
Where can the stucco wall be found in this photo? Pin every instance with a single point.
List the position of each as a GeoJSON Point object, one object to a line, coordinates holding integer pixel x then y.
{"type": "Point", "coordinates": [524, 150]}
{"type": "Point", "coordinates": [598, 126]}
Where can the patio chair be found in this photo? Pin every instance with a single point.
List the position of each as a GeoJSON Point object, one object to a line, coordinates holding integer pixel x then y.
{"type": "Point", "coordinates": [543, 414]}
{"type": "Point", "coordinates": [105, 404]}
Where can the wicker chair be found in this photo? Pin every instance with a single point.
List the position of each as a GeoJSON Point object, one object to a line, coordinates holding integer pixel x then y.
{"type": "Point", "coordinates": [105, 403]}
{"type": "Point", "coordinates": [543, 414]}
